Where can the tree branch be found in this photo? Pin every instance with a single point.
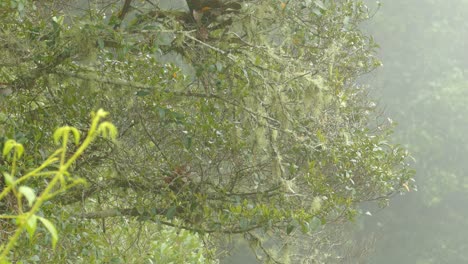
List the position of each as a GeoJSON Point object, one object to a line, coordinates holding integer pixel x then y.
{"type": "Point", "coordinates": [123, 12]}
{"type": "Point", "coordinates": [114, 81]}
{"type": "Point", "coordinates": [133, 212]}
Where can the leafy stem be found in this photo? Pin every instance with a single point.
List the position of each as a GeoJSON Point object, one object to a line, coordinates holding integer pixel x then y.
{"type": "Point", "coordinates": [13, 150]}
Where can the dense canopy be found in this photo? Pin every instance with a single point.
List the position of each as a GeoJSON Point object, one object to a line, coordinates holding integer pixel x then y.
{"type": "Point", "coordinates": [240, 117]}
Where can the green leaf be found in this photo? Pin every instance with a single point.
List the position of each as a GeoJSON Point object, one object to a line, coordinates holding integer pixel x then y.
{"type": "Point", "coordinates": [101, 113]}
{"type": "Point", "coordinates": [187, 142]}
{"type": "Point", "coordinates": [9, 144]}
{"type": "Point", "coordinates": [140, 209]}
{"type": "Point", "coordinates": [116, 260]}
{"type": "Point", "coordinates": [20, 7]}
{"type": "Point", "coordinates": [35, 258]}
{"type": "Point", "coordinates": [244, 223]}
{"type": "Point", "coordinates": [51, 228]}
{"type": "Point", "coordinates": [315, 223]}
{"type": "Point", "coordinates": [290, 228]}
{"type": "Point", "coordinates": [58, 20]}
{"type": "Point", "coordinates": [162, 112]}
{"type": "Point", "coordinates": [142, 93]}
{"type": "Point", "coordinates": [320, 4]}
{"type": "Point", "coordinates": [316, 11]}
{"type": "Point", "coordinates": [321, 137]}
{"type": "Point", "coordinates": [171, 212]}
{"type": "Point", "coordinates": [100, 43]}
{"type": "Point", "coordinates": [346, 20]}
{"type": "Point", "coordinates": [4, 261]}
{"type": "Point", "coordinates": [171, 116]}
{"type": "Point", "coordinates": [76, 135]}
{"type": "Point", "coordinates": [108, 130]}
{"type": "Point", "coordinates": [31, 225]}
{"type": "Point", "coordinates": [29, 193]}
{"type": "Point", "coordinates": [219, 66]}
{"type": "Point", "coordinates": [305, 227]}
{"type": "Point", "coordinates": [319, 82]}
{"type": "Point", "coordinates": [63, 131]}
{"type": "Point", "coordinates": [9, 180]}
{"type": "Point", "coordinates": [19, 150]}
{"type": "Point", "coordinates": [58, 134]}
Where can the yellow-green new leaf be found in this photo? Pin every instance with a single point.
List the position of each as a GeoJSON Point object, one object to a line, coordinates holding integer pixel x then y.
{"type": "Point", "coordinates": [29, 193]}
{"type": "Point", "coordinates": [9, 145]}
{"type": "Point", "coordinates": [8, 179]}
{"type": "Point", "coordinates": [31, 225]}
{"type": "Point", "coordinates": [76, 135]}
{"type": "Point", "coordinates": [51, 228]}
{"type": "Point", "coordinates": [101, 113]}
{"type": "Point", "coordinates": [19, 150]}
{"type": "Point", "coordinates": [59, 133]}
{"type": "Point", "coordinates": [4, 261]}
{"type": "Point", "coordinates": [108, 130]}
{"type": "Point", "coordinates": [62, 131]}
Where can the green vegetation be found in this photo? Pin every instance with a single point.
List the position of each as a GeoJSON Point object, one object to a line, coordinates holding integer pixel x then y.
{"type": "Point", "coordinates": [233, 119]}
{"type": "Point", "coordinates": [61, 180]}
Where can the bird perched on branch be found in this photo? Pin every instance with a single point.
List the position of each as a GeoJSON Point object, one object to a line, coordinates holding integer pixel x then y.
{"type": "Point", "coordinates": [178, 179]}
{"type": "Point", "coordinates": [210, 9]}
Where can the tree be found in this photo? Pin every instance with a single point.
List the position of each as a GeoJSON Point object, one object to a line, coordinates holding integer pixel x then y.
{"type": "Point", "coordinates": [242, 120]}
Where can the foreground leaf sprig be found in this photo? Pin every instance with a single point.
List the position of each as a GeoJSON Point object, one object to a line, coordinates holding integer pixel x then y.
{"type": "Point", "coordinates": [60, 180]}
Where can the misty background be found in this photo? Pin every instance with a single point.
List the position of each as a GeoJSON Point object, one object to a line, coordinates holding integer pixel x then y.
{"type": "Point", "coordinates": [423, 87]}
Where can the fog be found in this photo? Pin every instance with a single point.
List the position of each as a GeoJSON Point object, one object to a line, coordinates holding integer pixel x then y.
{"type": "Point", "coordinates": [423, 86]}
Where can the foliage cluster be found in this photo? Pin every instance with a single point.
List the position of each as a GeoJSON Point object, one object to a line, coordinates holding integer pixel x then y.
{"type": "Point", "coordinates": [241, 121]}
{"type": "Point", "coordinates": [56, 167]}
